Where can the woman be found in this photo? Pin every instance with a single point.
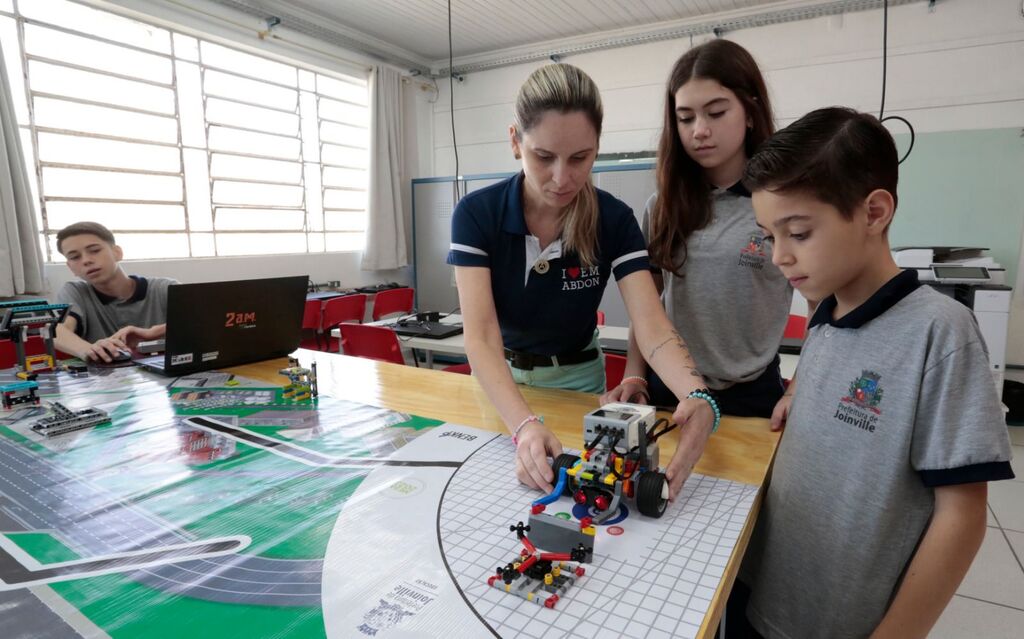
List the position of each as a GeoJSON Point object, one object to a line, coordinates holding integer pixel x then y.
{"type": "Point", "coordinates": [532, 255]}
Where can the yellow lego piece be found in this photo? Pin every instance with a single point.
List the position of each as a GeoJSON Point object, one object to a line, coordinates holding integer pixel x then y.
{"type": "Point", "coordinates": [508, 587]}
{"type": "Point", "coordinates": [589, 530]}
{"type": "Point", "coordinates": [555, 571]}
{"type": "Point", "coordinates": [548, 579]}
{"type": "Point", "coordinates": [609, 479]}
{"type": "Point", "coordinates": [529, 596]}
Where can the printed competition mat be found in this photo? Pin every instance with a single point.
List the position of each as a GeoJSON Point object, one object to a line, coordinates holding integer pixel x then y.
{"type": "Point", "coordinates": [212, 506]}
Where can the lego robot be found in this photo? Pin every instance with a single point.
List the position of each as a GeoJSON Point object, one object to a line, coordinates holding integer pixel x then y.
{"type": "Point", "coordinates": [540, 577]}
{"type": "Point", "coordinates": [64, 420]}
{"type": "Point", "coordinates": [21, 392]}
{"type": "Point", "coordinates": [301, 381]}
{"type": "Point", "coordinates": [620, 461]}
{"type": "Point", "coordinates": [21, 319]}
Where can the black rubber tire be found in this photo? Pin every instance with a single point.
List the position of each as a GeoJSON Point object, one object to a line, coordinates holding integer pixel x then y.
{"type": "Point", "coordinates": [648, 494]}
{"type": "Point", "coordinates": [566, 461]}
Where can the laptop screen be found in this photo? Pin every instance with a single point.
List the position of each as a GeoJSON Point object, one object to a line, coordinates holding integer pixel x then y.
{"type": "Point", "coordinates": [218, 324]}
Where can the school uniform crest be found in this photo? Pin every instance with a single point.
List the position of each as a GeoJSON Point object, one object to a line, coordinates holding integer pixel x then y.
{"type": "Point", "coordinates": [860, 406]}
{"type": "Point", "coordinates": [865, 392]}
{"type": "Point", "coordinates": [752, 254]}
{"type": "Point", "coordinates": [755, 246]}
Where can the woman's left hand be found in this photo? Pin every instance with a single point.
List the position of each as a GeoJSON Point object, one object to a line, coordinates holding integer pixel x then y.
{"type": "Point", "coordinates": [696, 419]}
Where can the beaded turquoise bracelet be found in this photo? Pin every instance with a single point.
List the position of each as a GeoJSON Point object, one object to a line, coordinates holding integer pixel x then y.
{"type": "Point", "coordinates": [705, 394]}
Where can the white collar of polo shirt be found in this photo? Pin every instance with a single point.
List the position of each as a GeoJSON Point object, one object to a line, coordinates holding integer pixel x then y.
{"type": "Point", "coordinates": [535, 255]}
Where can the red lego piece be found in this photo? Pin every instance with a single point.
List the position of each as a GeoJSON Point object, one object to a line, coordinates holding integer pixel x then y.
{"type": "Point", "coordinates": [491, 580]}
{"type": "Point", "coordinates": [537, 508]}
{"type": "Point", "coordinates": [585, 522]}
{"type": "Point", "coordinates": [551, 601]}
{"type": "Point", "coordinates": [580, 571]}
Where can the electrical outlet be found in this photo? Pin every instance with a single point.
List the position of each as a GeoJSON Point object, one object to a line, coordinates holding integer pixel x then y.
{"type": "Point", "coordinates": [334, 284]}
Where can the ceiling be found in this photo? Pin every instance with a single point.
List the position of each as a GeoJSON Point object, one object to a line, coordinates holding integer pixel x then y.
{"type": "Point", "coordinates": [414, 33]}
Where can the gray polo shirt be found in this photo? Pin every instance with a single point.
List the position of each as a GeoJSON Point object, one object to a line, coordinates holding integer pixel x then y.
{"type": "Point", "coordinates": [893, 400]}
{"type": "Point", "coordinates": [732, 303]}
{"type": "Point", "coordinates": [100, 315]}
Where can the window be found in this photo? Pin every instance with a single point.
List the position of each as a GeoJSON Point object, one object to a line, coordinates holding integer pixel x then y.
{"type": "Point", "coordinates": [181, 146]}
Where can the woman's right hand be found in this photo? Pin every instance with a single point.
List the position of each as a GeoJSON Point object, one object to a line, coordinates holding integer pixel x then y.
{"type": "Point", "coordinates": [630, 392]}
{"type": "Point", "coordinates": [536, 444]}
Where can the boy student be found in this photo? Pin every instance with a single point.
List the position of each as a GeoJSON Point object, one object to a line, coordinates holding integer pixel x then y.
{"type": "Point", "coordinates": [109, 309]}
{"type": "Point", "coordinates": [877, 501]}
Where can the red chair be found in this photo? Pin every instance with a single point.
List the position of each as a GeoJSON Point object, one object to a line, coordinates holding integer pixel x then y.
{"type": "Point", "coordinates": [348, 308]}
{"type": "Point", "coordinates": [614, 369]}
{"type": "Point", "coordinates": [600, 318]}
{"type": "Point", "coordinates": [796, 327]}
{"type": "Point", "coordinates": [395, 300]}
{"type": "Point", "coordinates": [33, 346]}
{"type": "Point", "coordinates": [461, 369]}
{"type": "Point", "coordinates": [311, 318]}
{"type": "Point", "coordinates": [372, 342]}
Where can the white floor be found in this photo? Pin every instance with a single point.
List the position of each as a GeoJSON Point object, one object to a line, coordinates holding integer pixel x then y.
{"type": "Point", "coordinates": [990, 601]}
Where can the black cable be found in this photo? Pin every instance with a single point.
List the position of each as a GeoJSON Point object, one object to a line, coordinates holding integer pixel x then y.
{"type": "Point", "coordinates": [451, 105]}
{"type": "Point", "coordinates": [885, 52]}
{"type": "Point", "coordinates": [597, 440]}
{"type": "Point", "coordinates": [912, 135]}
{"type": "Point", "coordinates": [669, 429]}
{"type": "Point", "coordinates": [885, 56]}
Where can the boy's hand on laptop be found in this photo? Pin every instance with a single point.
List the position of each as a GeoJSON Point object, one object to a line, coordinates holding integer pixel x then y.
{"type": "Point", "coordinates": [104, 350]}
{"type": "Point", "coordinates": [132, 335]}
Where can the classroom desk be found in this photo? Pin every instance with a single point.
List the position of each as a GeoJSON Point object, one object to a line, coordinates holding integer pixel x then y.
{"type": "Point", "coordinates": [610, 336]}
{"type": "Point", "coordinates": [742, 450]}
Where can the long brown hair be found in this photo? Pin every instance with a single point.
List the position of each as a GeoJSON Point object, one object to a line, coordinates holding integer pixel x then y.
{"type": "Point", "coordinates": [684, 196]}
{"type": "Point", "coordinates": [564, 88]}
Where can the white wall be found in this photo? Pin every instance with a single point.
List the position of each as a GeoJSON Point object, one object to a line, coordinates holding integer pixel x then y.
{"type": "Point", "coordinates": [957, 67]}
{"type": "Point", "coordinates": [960, 66]}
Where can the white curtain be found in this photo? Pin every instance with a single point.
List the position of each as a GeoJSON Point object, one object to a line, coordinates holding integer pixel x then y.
{"type": "Point", "coordinates": [385, 230]}
{"type": "Point", "coordinates": [21, 258]}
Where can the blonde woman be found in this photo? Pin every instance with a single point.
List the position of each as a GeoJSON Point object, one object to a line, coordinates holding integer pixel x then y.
{"type": "Point", "coordinates": [532, 256]}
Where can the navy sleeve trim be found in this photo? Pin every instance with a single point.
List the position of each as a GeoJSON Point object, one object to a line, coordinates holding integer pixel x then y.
{"type": "Point", "coordinates": [79, 324]}
{"type": "Point", "coordinates": [990, 471]}
{"type": "Point", "coordinates": [630, 267]}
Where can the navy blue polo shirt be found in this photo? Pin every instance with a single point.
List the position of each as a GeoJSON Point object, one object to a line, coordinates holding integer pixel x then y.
{"type": "Point", "coordinates": [555, 312]}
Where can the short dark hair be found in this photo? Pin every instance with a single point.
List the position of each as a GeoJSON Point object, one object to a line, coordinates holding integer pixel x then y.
{"type": "Point", "coordinates": [84, 228]}
{"type": "Point", "coordinates": [836, 155]}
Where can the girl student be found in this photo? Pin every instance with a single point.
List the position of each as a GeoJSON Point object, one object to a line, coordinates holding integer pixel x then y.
{"type": "Point", "coordinates": [719, 286]}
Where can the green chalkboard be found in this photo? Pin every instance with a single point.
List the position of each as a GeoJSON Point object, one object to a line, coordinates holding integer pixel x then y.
{"type": "Point", "coordinates": [963, 188]}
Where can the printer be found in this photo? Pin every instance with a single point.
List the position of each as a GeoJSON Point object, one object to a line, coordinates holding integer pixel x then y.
{"type": "Point", "coordinates": [973, 278]}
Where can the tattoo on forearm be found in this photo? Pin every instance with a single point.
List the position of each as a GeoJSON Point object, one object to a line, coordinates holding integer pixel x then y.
{"type": "Point", "coordinates": [674, 338]}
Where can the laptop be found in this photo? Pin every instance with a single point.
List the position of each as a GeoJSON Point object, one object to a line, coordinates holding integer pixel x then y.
{"type": "Point", "coordinates": [428, 330]}
{"type": "Point", "coordinates": [220, 324]}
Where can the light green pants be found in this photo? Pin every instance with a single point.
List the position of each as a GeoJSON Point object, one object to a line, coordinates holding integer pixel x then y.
{"type": "Point", "coordinates": [587, 377]}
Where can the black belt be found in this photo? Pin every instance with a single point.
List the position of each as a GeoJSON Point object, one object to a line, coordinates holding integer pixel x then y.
{"type": "Point", "coordinates": [528, 361]}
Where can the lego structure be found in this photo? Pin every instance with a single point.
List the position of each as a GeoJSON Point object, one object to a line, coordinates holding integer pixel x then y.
{"type": "Point", "coordinates": [23, 318]}
{"type": "Point", "coordinates": [540, 577]}
{"type": "Point", "coordinates": [620, 461]}
{"type": "Point", "coordinates": [301, 381]}
{"type": "Point", "coordinates": [23, 392]}
{"type": "Point", "coordinates": [64, 420]}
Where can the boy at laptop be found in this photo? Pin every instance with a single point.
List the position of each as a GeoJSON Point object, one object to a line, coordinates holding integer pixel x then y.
{"type": "Point", "coordinates": [877, 501]}
{"type": "Point", "coordinates": [110, 310]}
